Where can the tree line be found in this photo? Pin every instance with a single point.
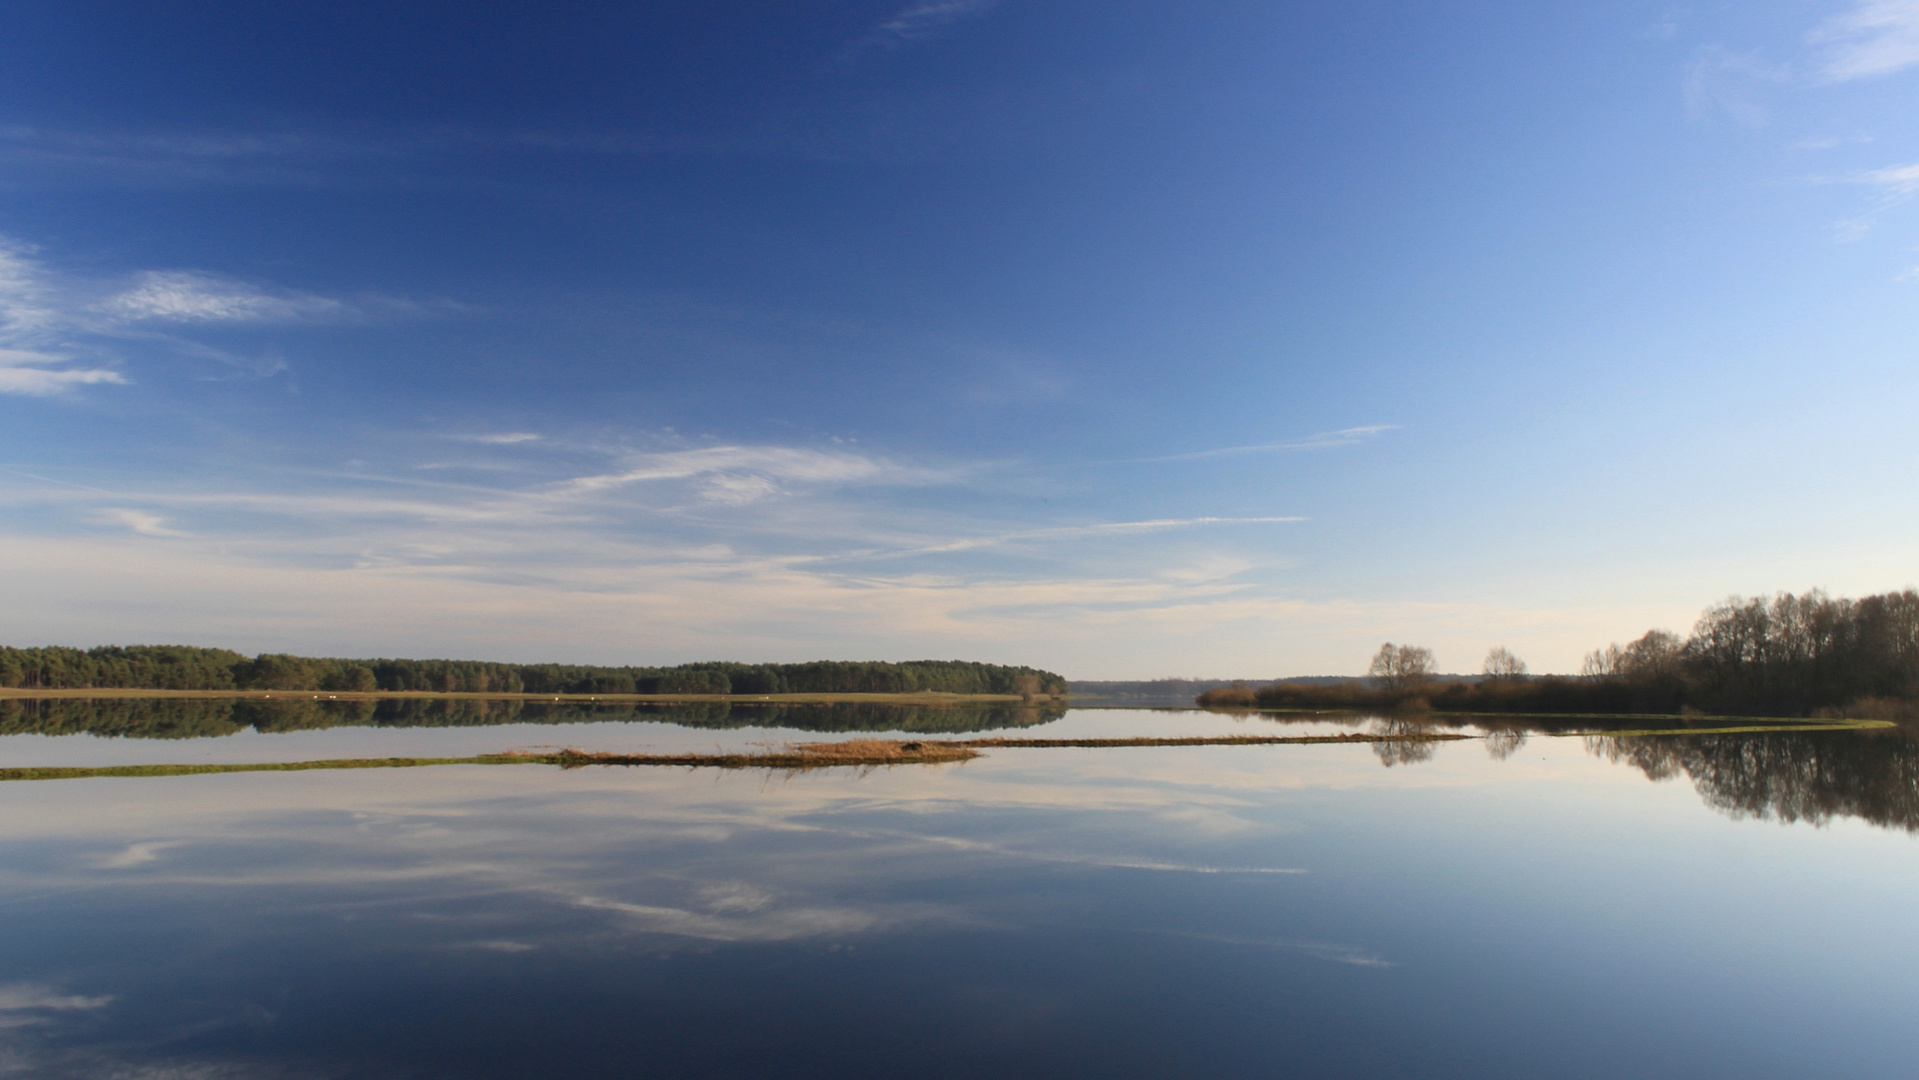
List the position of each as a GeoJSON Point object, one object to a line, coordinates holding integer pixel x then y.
{"type": "Point", "coordinates": [187, 667]}
{"type": "Point", "coordinates": [1788, 655]}
{"type": "Point", "coordinates": [200, 718]}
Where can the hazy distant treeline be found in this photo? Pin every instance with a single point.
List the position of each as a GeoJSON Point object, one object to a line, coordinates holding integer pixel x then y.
{"type": "Point", "coordinates": [1787, 656]}
{"type": "Point", "coordinates": [186, 667]}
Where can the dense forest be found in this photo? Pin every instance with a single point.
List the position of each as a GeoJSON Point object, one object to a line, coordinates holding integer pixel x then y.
{"type": "Point", "coordinates": [187, 667]}
{"type": "Point", "coordinates": [1788, 656]}
{"type": "Point", "coordinates": [199, 718]}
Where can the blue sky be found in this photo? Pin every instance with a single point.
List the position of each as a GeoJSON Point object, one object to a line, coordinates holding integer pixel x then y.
{"type": "Point", "coordinates": [1125, 339]}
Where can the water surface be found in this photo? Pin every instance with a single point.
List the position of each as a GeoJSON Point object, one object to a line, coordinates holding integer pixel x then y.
{"type": "Point", "coordinates": [1711, 905]}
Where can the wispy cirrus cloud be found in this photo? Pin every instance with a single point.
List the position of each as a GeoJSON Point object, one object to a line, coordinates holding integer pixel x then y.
{"type": "Point", "coordinates": [38, 374]}
{"type": "Point", "coordinates": [1898, 182]}
{"type": "Point", "coordinates": [1876, 37]}
{"type": "Point", "coordinates": [730, 548]}
{"type": "Point", "coordinates": [759, 923]}
{"type": "Point", "coordinates": [738, 474]}
{"type": "Point", "coordinates": [1732, 84]}
{"type": "Point", "coordinates": [18, 996]}
{"type": "Point", "coordinates": [186, 296]}
{"type": "Point", "coordinates": [917, 22]}
{"type": "Point", "coordinates": [1079, 532]}
{"type": "Point", "coordinates": [308, 157]}
{"type": "Point", "coordinates": [1324, 440]}
{"type": "Point", "coordinates": [137, 521]}
{"type": "Point", "coordinates": [35, 357]}
{"type": "Point", "coordinates": [1895, 184]}
{"type": "Point", "coordinates": [59, 332]}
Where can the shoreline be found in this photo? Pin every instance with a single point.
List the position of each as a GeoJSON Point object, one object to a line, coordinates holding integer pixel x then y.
{"type": "Point", "coordinates": [926, 697]}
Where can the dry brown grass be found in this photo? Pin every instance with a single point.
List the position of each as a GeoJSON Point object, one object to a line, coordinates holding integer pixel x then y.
{"type": "Point", "coordinates": [884, 751]}
{"type": "Point", "coordinates": [1222, 740]}
{"type": "Point", "coordinates": [1237, 696]}
{"type": "Point", "coordinates": [857, 752]}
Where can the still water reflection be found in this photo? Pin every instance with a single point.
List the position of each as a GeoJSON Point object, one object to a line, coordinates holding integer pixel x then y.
{"type": "Point", "coordinates": [1522, 905]}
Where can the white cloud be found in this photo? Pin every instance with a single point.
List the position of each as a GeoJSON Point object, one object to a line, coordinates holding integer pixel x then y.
{"type": "Point", "coordinates": [17, 996]}
{"type": "Point", "coordinates": [23, 300]}
{"type": "Point", "coordinates": [1831, 141]}
{"type": "Point", "coordinates": [193, 297]}
{"type": "Point", "coordinates": [1898, 182]}
{"type": "Point", "coordinates": [137, 854]}
{"type": "Point", "coordinates": [917, 22]}
{"type": "Point", "coordinates": [18, 378]}
{"type": "Point", "coordinates": [505, 438]}
{"type": "Point", "coordinates": [1718, 81]}
{"type": "Point", "coordinates": [730, 490]}
{"type": "Point", "coordinates": [1877, 37]}
{"type": "Point", "coordinates": [1663, 29]}
{"type": "Point", "coordinates": [1074, 532]}
{"type": "Point", "coordinates": [736, 469]}
{"type": "Point", "coordinates": [477, 569]}
{"type": "Point", "coordinates": [56, 333]}
{"type": "Point", "coordinates": [722, 923]}
{"type": "Point", "coordinates": [140, 522]}
{"type": "Point", "coordinates": [1324, 440]}
{"type": "Point", "coordinates": [521, 593]}
{"type": "Point", "coordinates": [32, 360]}
{"type": "Point", "coordinates": [1210, 568]}
{"type": "Point", "coordinates": [501, 946]}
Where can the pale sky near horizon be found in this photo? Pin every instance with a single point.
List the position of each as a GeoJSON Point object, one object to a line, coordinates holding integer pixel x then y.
{"type": "Point", "coordinates": [1123, 339]}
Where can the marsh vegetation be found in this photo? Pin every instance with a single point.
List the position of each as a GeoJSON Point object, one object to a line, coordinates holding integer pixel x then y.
{"type": "Point", "coordinates": [863, 753]}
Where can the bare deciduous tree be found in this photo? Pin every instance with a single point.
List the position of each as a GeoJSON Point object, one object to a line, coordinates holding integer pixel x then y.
{"type": "Point", "coordinates": [1603, 663]}
{"type": "Point", "coordinates": [1401, 667]}
{"type": "Point", "coordinates": [1654, 655]}
{"type": "Point", "coordinates": [1502, 664]}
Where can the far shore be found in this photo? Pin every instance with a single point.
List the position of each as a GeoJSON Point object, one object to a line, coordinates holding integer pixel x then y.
{"type": "Point", "coordinates": [926, 697]}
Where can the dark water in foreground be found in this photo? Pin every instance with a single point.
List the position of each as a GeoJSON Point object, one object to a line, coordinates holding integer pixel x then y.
{"type": "Point", "coordinates": [1333, 910]}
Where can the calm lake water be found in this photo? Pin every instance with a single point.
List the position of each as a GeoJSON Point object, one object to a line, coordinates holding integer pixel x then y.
{"type": "Point", "coordinates": [1718, 905]}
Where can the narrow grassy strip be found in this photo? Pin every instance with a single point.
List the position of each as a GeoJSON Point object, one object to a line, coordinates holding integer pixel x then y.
{"type": "Point", "coordinates": [1433, 714]}
{"type": "Point", "coordinates": [60, 773]}
{"type": "Point", "coordinates": [861, 752]}
{"type": "Point", "coordinates": [851, 752]}
{"type": "Point", "coordinates": [1217, 740]}
{"type": "Point", "coordinates": [1759, 729]}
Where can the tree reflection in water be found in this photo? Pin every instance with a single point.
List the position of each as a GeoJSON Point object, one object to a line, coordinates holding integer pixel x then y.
{"type": "Point", "coordinates": [1788, 776]}
{"type": "Point", "coordinates": [1502, 743]}
{"type": "Point", "coordinates": [1410, 752]}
